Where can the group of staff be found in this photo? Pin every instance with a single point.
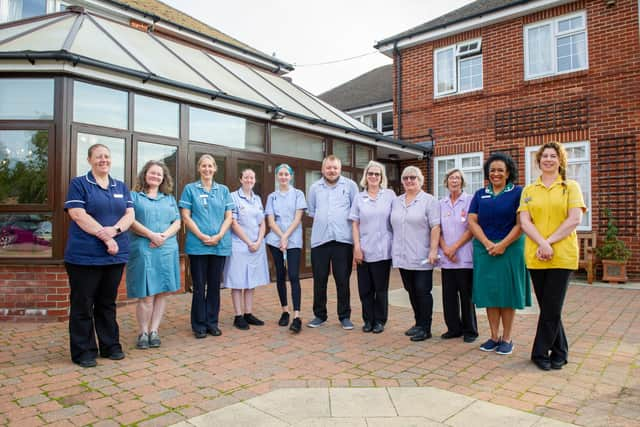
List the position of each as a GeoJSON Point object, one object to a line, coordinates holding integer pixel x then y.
{"type": "Point", "coordinates": [476, 240]}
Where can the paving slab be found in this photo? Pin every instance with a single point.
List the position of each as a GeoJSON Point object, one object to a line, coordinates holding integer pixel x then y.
{"type": "Point", "coordinates": [294, 404]}
{"type": "Point", "coordinates": [240, 415]}
{"type": "Point", "coordinates": [332, 422]}
{"type": "Point", "coordinates": [361, 402]}
{"type": "Point", "coordinates": [490, 415]}
{"type": "Point", "coordinates": [402, 422]}
{"type": "Point", "coordinates": [428, 402]}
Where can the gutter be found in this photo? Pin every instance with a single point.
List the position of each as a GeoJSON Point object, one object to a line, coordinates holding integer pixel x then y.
{"type": "Point", "coordinates": [398, 62]}
{"type": "Point", "coordinates": [74, 59]}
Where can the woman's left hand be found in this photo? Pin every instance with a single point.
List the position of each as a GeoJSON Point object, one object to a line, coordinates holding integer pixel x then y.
{"type": "Point", "coordinates": [497, 249]}
{"type": "Point", "coordinates": [433, 256]}
{"type": "Point", "coordinates": [254, 246]}
{"type": "Point", "coordinates": [107, 233]}
{"type": "Point", "coordinates": [157, 240]}
{"type": "Point", "coordinates": [544, 252]}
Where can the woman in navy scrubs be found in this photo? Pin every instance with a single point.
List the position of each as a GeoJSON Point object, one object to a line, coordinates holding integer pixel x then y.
{"type": "Point", "coordinates": [101, 210]}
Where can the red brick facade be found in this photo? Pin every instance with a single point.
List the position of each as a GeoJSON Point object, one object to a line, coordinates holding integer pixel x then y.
{"type": "Point", "coordinates": [604, 100]}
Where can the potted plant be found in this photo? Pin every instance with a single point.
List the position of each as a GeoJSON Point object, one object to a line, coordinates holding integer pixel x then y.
{"type": "Point", "coordinates": [613, 252]}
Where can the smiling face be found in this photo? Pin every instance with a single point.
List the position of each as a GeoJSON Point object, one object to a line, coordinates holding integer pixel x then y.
{"type": "Point", "coordinates": [154, 177]}
{"type": "Point", "coordinates": [284, 177]}
{"type": "Point", "coordinates": [331, 171]}
{"type": "Point", "coordinates": [549, 161]}
{"type": "Point", "coordinates": [100, 160]}
{"type": "Point", "coordinates": [207, 169]}
{"type": "Point", "coordinates": [248, 180]}
{"type": "Point", "coordinates": [498, 174]}
{"type": "Point", "coordinates": [411, 183]}
{"type": "Point", "coordinates": [454, 183]}
{"type": "Point", "coordinates": [374, 177]}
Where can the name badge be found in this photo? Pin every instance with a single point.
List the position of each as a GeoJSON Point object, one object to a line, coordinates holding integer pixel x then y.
{"type": "Point", "coordinates": [488, 196]}
{"type": "Point", "coordinates": [118, 196]}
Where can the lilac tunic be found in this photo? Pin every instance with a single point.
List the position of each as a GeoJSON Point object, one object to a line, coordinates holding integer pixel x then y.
{"type": "Point", "coordinates": [412, 230]}
{"type": "Point", "coordinates": [453, 223]}
{"type": "Point", "coordinates": [373, 217]}
{"type": "Point", "coordinates": [245, 269]}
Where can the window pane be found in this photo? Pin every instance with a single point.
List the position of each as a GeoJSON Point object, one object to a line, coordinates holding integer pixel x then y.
{"type": "Point", "coordinates": [578, 152]}
{"type": "Point", "coordinates": [23, 166]}
{"type": "Point", "coordinates": [156, 116]}
{"type": "Point", "coordinates": [445, 71]}
{"type": "Point", "coordinates": [471, 73]}
{"type": "Point", "coordinates": [342, 150]}
{"type": "Point", "coordinates": [163, 153]}
{"type": "Point", "coordinates": [116, 146]}
{"type": "Point", "coordinates": [296, 144]}
{"type": "Point", "coordinates": [363, 155]}
{"type": "Point", "coordinates": [309, 178]}
{"type": "Point", "coordinates": [570, 24]}
{"type": "Point", "coordinates": [539, 55]}
{"type": "Point", "coordinates": [223, 129]}
{"type": "Point", "coordinates": [22, 9]}
{"type": "Point", "coordinates": [443, 165]}
{"type": "Point", "coordinates": [371, 120]}
{"type": "Point", "coordinates": [471, 162]}
{"type": "Point", "coordinates": [25, 235]}
{"type": "Point", "coordinates": [23, 99]}
{"type": "Point", "coordinates": [100, 105]}
{"type": "Point", "coordinates": [571, 52]}
{"type": "Point", "coordinates": [387, 121]}
{"type": "Point", "coordinates": [580, 172]}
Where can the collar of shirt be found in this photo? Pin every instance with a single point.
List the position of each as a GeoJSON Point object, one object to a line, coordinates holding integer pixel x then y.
{"type": "Point", "coordinates": [341, 180]}
{"type": "Point", "coordinates": [160, 195]}
{"type": "Point", "coordinates": [92, 180]}
{"type": "Point", "coordinates": [243, 196]}
{"type": "Point", "coordinates": [421, 194]}
{"type": "Point", "coordinates": [461, 199]}
{"type": "Point", "coordinates": [214, 186]}
{"type": "Point", "coordinates": [558, 181]}
{"type": "Point", "coordinates": [506, 189]}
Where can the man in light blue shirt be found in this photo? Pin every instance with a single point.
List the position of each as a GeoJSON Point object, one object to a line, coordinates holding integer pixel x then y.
{"type": "Point", "coordinates": [329, 203]}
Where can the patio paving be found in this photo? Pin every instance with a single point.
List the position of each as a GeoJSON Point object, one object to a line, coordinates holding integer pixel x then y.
{"type": "Point", "coordinates": [188, 378]}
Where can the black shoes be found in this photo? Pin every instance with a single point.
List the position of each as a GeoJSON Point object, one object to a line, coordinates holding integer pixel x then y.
{"type": "Point", "coordinates": [412, 331]}
{"type": "Point", "coordinates": [421, 335]}
{"type": "Point", "coordinates": [558, 364]}
{"type": "Point", "coordinates": [215, 331]}
{"type": "Point", "coordinates": [87, 363]}
{"type": "Point", "coordinates": [470, 338]}
{"type": "Point", "coordinates": [449, 335]}
{"type": "Point", "coordinates": [241, 323]}
{"type": "Point", "coordinates": [200, 334]}
{"type": "Point", "coordinates": [284, 319]}
{"type": "Point", "coordinates": [367, 327]}
{"type": "Point", "coordinates": [253, 320]}
{"type": "Point", "coordinates": [296, 325]}
{"type": "Point", "coordinates": [544, 364]}
{"type": "Point", "coordinates": [378, 328]}
{"type": "Point", "coordinates": [114, 355]}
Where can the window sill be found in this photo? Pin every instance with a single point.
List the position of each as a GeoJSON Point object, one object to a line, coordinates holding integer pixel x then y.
{"type": "Point", "coordinates": [458, 95]}
{"type": "Point", "coordinates": [554, 77]}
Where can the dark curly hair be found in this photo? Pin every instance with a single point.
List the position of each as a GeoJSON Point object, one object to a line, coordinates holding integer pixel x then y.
{"type": "Point", "coordinates": [512, 168]}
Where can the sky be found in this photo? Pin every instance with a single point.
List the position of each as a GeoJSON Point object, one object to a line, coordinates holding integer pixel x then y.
{"type": "Point", "coordinates": [305, 33]}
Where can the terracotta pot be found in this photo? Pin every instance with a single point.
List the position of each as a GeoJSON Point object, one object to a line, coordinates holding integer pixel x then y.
{"type": "Point", "coordinates": [614, 271]}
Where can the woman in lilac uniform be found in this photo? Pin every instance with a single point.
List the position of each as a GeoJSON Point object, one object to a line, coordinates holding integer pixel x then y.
{"type": "Point", "coordinates": [415, 220]}
{"type": "Point", "coordinates": [372, 236]}
{"type": "Point", "coordinates": [456, 260]}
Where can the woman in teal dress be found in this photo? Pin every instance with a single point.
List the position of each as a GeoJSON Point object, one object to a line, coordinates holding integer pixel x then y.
{"type": "Point", "coordinates": [154, 268]}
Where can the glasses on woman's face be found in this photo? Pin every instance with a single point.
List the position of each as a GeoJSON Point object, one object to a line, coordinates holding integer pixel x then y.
{"type": "Point", "coordinates": [409, 178]}
{"type": "Point", "coordinates": [373, 173]}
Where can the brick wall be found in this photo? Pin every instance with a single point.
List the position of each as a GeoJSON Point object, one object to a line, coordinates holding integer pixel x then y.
{"type": "Point", "coordinates": [608, 93]}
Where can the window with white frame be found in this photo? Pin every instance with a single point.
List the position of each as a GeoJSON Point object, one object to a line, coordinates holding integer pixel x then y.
{"type": "Point", "coordinates": [13, 10]}
{"type": "Point", "coordinates": [578, 169]}
{"type": "Point", "coordinates": [556, 46]}
{"type": "Point", "coordinates": [458, 68]}
{"type": "Point", "coordinates": [469, 163]}
{"type": "Point", "coordinates": [382, 121]}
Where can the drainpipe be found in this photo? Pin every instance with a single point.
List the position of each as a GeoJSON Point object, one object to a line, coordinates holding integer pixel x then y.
{"type": "Point", "coordinates": [398, 59]}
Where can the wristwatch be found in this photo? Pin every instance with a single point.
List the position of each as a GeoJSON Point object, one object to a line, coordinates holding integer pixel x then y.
{"type": "Point", "coordinates": [118, 230]}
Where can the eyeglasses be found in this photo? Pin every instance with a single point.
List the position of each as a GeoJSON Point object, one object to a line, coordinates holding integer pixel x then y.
{"type": "Point", "coordinates": [409, 178]}
{"type": "Point", "coordinates": [373, 174]}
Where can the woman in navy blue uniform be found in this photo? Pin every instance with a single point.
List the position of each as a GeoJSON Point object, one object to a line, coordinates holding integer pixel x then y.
{"type": "Point", "coordinates": [101, 210]}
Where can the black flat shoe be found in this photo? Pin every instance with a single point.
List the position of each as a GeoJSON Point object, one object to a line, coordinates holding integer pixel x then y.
{"type": "Point", "coordinates": [296, 325]}
{"type": "Point", "coordinates": [544, 364]}
{"type": "Point", "coordinates": [449, 335]}
{"type": "Point", "coordinates": [558, 364]}
{"type": "Point", "coordinates": [412, 331]}
{"type": "Point", "coordinates": [421, 335]}
{"type": "Point", "coordinates": [114, 355]}
{"type": "Point", "coordinates": [378, 328]}
{"type": "Point", "coordinates": [367, 327]}
{"type": "Point", "coordinates": [253, 320]}
{"type": "Point", "coordinates": [241, 323]}
{"type": "Point", "coordinates": [200, 334]}
{"type": "Point", "coordinates": [284, 319]}
{"type": "Point", "coordinates": [88, 363]}
{"type": "Point", "coordinates": [470, 338]}
{"type": "Point", "coordinates": [215, 331]}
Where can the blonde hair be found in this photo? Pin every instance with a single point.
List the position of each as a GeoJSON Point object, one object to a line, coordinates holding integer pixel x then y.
{"type": "Point", "coordinates": [562, 156]}
{"type": "Point", "coordinates": [166, 186]}
{"type": "Point", "coordinates": [207, 157]}
{"type": "Point", "coordinates": [413, 170]}
{"type": "Point", "coordinates": [383, 174]}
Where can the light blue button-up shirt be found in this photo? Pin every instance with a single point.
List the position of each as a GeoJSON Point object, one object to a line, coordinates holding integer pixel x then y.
{"type": "Point", "coordinates": [330, 206]}
{"type": "Point", "coordinates": [412, 230]}
{"type": "Point", "coordinates": [207, 211]}
{"type": "Point", "coordinates": [373, 217]}
{"type": "Point", "coordinates": [283, 207]}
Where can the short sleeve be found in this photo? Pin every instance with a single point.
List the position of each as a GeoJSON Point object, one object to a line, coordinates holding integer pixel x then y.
{"type": "Point", "coordinates": [235, 210]}
{"type": "Point", "coordinates": [473, 206]}
{"type": "Point", "coordinates": [174, 206]}
{"type": "Point", "coordinates": [269, 209]}
{"type": "Point", "coordinates": [576, 200]}
{"type": "Point", "coordinates": [353, 190]}
{"type": "Point", "coordinates": [301, 203]}
{"type": "Point", "coordinates": [186, 199]}
{"type": "Point", "coordinates": [524, 200]}
{"type": "Point", "coordinates": [229, 205]}
{"type": "Point", "coordinates": [76, 196]}
{"type": "Point", "coordinates": [311, 201]}
{"type": "Point", "coordinates": [433, 212]}
{"type": "Point", "coordinates": [354, 214]}
{"type": "Point", "coordinates": [127, 195]}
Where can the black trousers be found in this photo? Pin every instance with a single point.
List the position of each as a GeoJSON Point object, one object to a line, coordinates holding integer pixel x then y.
{"type": "Point", "coordinates": [293, 268]}
{"type": "Point", "coordinates": [337, 257]}
{"type": "Point", "coordinates": [94, 289]}
{"type": "Point", "coordinates": [373, 287]}
{"type": "Point", "coordinates": [206, 271]}
{"type": "Point", "coordinates": [418, 284]}
{"type": "Point", "coordinates": [550, 286]}
{"type": "Point", "coordinates": [457, 303]}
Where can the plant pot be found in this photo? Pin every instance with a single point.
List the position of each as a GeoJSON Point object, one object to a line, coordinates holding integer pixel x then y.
{"type": "Point", "coordinates": [614, 271]}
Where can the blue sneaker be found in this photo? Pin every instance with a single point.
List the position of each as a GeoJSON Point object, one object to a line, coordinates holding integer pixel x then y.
{"type": "Point", "coordinates": [490, 345]}
{"type": "Point", "coordinates": [346, 324]}
{"type": "Point", "coordinates": [315, 322]}
{"type": "Point", "coordinates": [505, 347]}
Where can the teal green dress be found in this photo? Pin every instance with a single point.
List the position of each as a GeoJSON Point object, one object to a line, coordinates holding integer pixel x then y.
{"type": "Point", "coordinates": [151, 271]}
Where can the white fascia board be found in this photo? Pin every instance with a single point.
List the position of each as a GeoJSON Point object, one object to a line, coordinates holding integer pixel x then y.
{"type": "Point", "coordinates": [370, 109]}
{"type": "Point", "coordinates": [473, 23]}
{"type": "Point", "coordinates": [202, 40]}
{"type": "Point", "coordinates": [195, 99]}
